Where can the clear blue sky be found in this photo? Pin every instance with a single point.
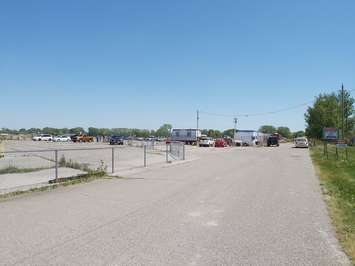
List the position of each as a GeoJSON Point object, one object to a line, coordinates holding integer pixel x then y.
{"type": "Point", "coordinates": [143, 63]}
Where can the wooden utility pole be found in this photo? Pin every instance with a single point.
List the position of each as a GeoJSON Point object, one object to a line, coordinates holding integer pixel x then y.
{"type": "Point", "coordinates": [197, 128]}
{"type": "Point", "coordinates": [342, 112]}
{"type": "Point", "coordinates": [235, 128]}
{"type": "Point", "coordinates": [197, 119]}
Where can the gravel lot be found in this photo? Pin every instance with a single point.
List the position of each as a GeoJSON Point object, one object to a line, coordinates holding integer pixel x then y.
{"type": "Point", "coordinates": [125, 158]}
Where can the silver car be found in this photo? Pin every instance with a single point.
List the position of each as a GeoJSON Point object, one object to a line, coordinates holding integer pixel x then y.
{"type": "Point", "coordinates": [301, 142]}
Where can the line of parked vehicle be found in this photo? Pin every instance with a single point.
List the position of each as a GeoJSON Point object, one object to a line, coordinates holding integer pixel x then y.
{"type": "Point", "coordinates": [119, 140]}
{"type": "Point", "coordinates": [203, 140]}
{"type": "Point", "coordinates": [63, 138]}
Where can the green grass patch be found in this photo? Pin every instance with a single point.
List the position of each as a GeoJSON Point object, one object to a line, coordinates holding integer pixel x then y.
{"type": "Point", "coordinates": [337, 175]}
{"type": "Point", "coordinates": [14, 169]}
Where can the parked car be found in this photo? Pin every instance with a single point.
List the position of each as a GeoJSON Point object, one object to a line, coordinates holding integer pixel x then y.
{"type": "Point", "coordinates": [61, 139]}
{"type": "Point", "coordinates": [43, 137]}
{"type": "Point", "coordinates": [116, 140]}
{"type": "Point", "coordinates": [206, 142]}
{"type": "Point", "coordinates": [301, 142]}
{"type": "Point", "coordinates": [220, 143]}
{"type": "Point", "coordinates": [273, 141]}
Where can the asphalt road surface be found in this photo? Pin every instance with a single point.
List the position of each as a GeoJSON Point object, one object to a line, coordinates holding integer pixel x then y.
{"type": "Point", "coordinates": [256, 206]}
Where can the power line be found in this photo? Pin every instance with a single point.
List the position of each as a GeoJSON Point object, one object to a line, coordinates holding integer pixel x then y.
{"type": "Point", "coordinates": [262, 113]}
{"type": "Point", "coordinates": [257, 114]}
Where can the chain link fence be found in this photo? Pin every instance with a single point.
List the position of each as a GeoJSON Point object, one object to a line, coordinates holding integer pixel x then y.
{"type": "Point", "coordinates": [25, 167]}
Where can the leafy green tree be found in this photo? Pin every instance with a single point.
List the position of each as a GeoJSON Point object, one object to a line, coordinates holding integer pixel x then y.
{"type": "Point", "coordinates": [164, 130]}
{"type": "Point", "coordinates": [324, 113]}
{"type": "Point", "coordinates": [22, 131]}
{"type": "Point", "coordinates": [50, 130]}
{"type": "Point", "coordinates": [268, 129]}
{"type": "Point", "coordinates": [204, 132]}
{"type": "Point", "coordinates": [285, 132]}
{"type": "Point", "coordinates": [327, 112]}
{"type": "Point", "coordinates": [93, 131]}
{"type": "Point", "coordinates": [213, 133]}
{"type": "Point", "coordinates": [229, 133]}
{"type": "Point", "coordinates": [77, 130]}
{"type": "Point", "coordinates": [349, 119]}
{"type": "Point", "coordinates": [298, 134]}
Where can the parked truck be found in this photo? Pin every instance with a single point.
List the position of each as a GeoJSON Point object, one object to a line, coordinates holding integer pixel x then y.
{"type": "Point", "coordinates": [82, 138]}
{"type": "Point", "coordinates": [188, 136]}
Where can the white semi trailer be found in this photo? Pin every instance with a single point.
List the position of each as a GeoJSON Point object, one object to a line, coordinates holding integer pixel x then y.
{"type": "Point", "coordinates": [186, 135]}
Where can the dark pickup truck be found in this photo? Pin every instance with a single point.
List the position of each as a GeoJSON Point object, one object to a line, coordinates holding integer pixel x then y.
{"type": "Point", "coordinates": [116, 140]}
{"type": "Point", "coordinates": [273, 141]}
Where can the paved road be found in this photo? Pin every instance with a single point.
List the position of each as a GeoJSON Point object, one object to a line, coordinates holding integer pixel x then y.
{"type": "Point", "coordinates": [231, 207]}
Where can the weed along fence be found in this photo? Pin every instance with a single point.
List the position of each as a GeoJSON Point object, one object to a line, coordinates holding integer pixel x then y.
{"type": "Point", "coordinates": [19, 168]}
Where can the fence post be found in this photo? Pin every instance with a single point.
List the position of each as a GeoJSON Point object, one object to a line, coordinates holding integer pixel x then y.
{"type": "Point", "coordinates": [113, 160]}
{"type": "Point", "coordinates": [166, 153]}
{"type": "Point", "coordinates": [56, 165]}
{"type": "Point", "coordinates": [145, 155]}
{"type": "Point", "coordinates": [346, 153]}
{"type": "Point", "coordinates": [183, 151]}
{"type": "Point", "coordinates": [336, 152]}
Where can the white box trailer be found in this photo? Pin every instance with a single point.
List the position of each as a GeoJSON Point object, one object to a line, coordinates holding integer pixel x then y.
{"type": "Point", "coordinates": [186, 135]}
{"type": "Point", "coordinates": [249, 138]}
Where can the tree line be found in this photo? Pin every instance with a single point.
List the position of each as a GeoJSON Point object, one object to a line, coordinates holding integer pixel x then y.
{"type": "Point", "coordinates": [283, 131]}
{"type": "Point", "coordinates": [163, 131]}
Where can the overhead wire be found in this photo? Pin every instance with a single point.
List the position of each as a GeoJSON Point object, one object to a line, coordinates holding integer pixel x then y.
{"type": "Point", "coordinates": [261, 113]}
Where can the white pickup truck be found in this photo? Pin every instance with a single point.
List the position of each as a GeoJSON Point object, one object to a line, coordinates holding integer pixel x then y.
{"type": "Point", "coordinates": [61, 139]}
{"type": "Point", "coordinates": [43, 137]}
{"type": "Point", "coordinates": [206, 142]}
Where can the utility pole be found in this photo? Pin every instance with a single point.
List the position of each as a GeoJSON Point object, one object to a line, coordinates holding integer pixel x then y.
{"type": "Point", "coordinates": [197, 119]}
{"type": "Point", "coordinates": [342, 112]}
{"type": "Point", "coordinates": [235, 127]}
{"type": "Point", "coordinates": [197, 128]}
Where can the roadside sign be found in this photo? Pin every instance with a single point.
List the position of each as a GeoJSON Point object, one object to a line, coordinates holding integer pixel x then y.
{"type": "Point", "coordinates": [330, 133]}
{"type": "Point", "coordinates": [341, 144]}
